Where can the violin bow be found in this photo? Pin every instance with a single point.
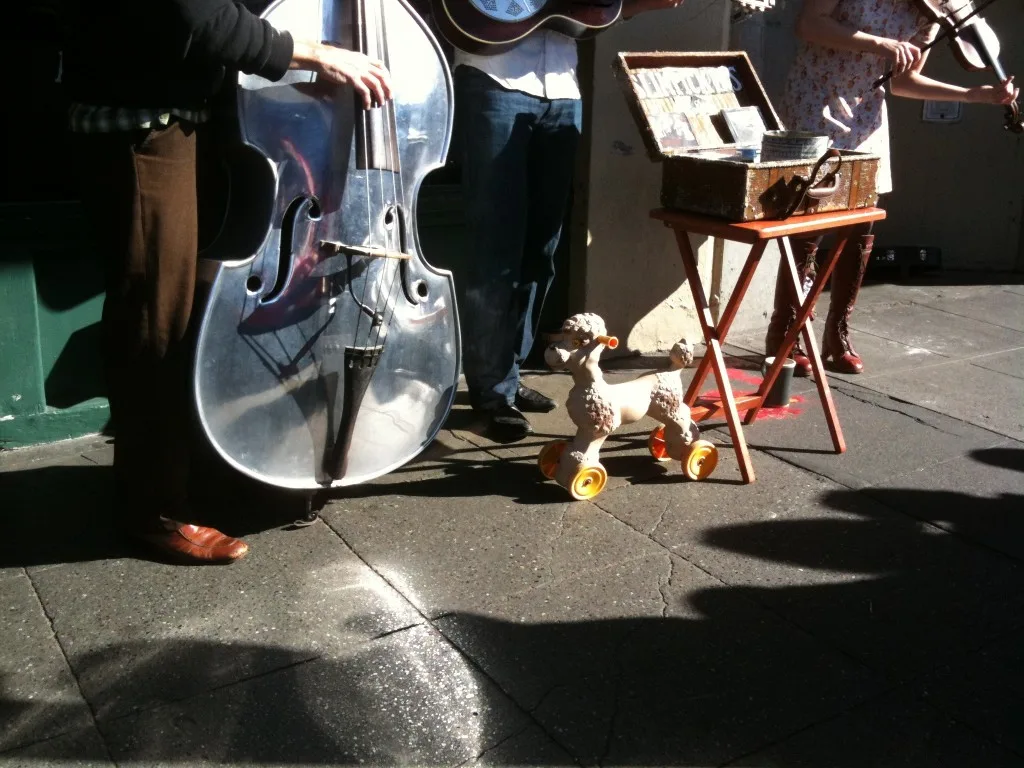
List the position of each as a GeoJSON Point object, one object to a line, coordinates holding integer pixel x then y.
{"type": "Point", "coordinates": [1014, 123]}
{"type": "Point", "coordinates": [951, 30]}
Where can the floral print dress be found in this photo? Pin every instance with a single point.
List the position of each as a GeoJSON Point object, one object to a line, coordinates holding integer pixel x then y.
{"type": "Point", "coordinates": [829, 91]}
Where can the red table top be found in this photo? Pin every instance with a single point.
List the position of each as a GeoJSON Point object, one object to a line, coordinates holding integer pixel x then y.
{"type": "Point", "coordinates": [766, 229]}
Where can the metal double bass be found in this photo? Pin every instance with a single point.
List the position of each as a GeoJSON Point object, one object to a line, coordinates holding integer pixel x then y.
{"type": "Point", "coordinates": [328, 350]}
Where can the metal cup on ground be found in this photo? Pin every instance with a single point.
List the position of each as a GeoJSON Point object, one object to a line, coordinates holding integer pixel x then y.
{"type": "Point", "coordinates": [779, 395]}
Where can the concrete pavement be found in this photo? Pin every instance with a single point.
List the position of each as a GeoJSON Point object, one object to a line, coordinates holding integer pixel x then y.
{"type": "Point", "coordinates": [853, 610]}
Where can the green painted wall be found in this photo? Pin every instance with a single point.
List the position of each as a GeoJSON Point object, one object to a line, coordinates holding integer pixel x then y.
{"type": "Point", "coordinates": [51, 301]}
{"type": "Point", "coordinates": [51, 298]}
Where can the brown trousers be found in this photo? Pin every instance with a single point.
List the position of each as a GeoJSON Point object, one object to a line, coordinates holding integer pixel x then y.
{"type": "Point", "coordinates": [138, 190]}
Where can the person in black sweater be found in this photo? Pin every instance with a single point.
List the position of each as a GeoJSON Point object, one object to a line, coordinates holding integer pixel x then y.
{"type": "Point", "coordinates": [142, 77]}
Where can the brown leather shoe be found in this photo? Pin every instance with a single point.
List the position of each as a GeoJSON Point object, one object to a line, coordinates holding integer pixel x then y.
{"type": "Point", "coordinates": [194, 544]}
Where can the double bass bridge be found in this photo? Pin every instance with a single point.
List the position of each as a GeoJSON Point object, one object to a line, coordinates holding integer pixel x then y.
{"type": "Point", "coordinates": [366, 251]}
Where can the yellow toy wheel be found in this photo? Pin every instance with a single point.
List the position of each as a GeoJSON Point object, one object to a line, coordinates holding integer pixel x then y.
{"type": "Point", "coordinates": [549, 456]}
{"type": "Point", "coordinates": [588, 482]}
{"type": "Point", "coordinates": [701, 460]}
{"type": "Point", "coordinates": [656, 444]}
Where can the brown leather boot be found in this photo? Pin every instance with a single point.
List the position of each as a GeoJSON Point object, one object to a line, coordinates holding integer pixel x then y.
{"type": "Point", "coordinates": [784, 314]}
{"type": "Point", "coordinates": [846, 280]}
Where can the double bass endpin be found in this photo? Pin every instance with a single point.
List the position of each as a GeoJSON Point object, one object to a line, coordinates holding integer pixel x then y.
{"type": "Point", "coordinates": [369, 251]}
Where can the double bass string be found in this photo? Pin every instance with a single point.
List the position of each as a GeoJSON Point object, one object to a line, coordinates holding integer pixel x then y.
{"type": "Point", "coordinates": [362, 40]}
{"type": "Point", "coordinates": [397, 186]}
{"type": "Point", "coordinates": [398, 183]}
{"type": "Point", "coordinates": [376, 327]}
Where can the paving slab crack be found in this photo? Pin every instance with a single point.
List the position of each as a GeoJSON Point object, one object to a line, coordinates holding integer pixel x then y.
{"type": "Point", "coordinates": [616, 663]}
{"type": "Point", "coordinates": [544, 697]}
{"type": "Point", "coordinates": [685, 559]}
{"type": "Point", "coordinates": [866, 332]}
{"type": "Point", "coordinates": [918, 419]}
{"type": "Point", "coordinates": [553, 541]}
{"type": "Point", "coordinates": [660, 520]}
{"type": "Point", "coordinates": [945, 362]}
{"type": "Point", "coordinates": [135, 711]}
{"type": "Point", "coordinates": [574, 575]}
{"type": "Point", "coordinates": [55, 737]}
{"type": "Point", "coordinates": [965, 317]}
{"type": "Point", "coordinates": [667, 585]}
{"type": "Point", "coordinates": [792, 734]}
{"type": "Point", "coordinates": [391, 632]}
{"type": "Point", "coordinates": [472, 662]}
{"type": "Point", "coordinates": [862, 705]}
{"type": "Point", "coordinates": [993, 370]}
{"type": "Point", "coordinates": [500, 742]}
{"type": "Point", "coordinates": [863, 490]}
{"type": "Point", "coordinates": [67, 661]}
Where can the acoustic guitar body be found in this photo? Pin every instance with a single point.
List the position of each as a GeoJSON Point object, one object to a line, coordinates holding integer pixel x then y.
{"type": "Point", "coordinates": [488, 27]}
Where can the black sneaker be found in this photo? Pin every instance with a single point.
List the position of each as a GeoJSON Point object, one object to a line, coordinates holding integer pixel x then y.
{"type": "Point", "coordinates": [506, 424]}
{"type": "Point", "coordinates": [532, 401]}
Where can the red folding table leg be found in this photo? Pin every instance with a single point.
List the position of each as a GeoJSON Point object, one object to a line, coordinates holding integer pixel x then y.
{"type": "Point", "coordinates": [715, 353]}
{"type": "Point", "coordinates": [801, 328]}
{"type": "Point", "coordinates": [732, 307]}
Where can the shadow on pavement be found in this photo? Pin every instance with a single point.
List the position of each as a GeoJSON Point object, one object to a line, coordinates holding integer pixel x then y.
{"type": "Point", "coordinates": [816, 672]}
{"type": "Point", "coordinates": [63, 514]}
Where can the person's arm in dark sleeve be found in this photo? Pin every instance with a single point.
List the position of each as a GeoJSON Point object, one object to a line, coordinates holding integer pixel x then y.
{"type": "Point", "coordinates": [229, 33]}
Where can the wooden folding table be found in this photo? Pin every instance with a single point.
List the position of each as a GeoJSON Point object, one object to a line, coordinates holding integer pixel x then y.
{"type": "Point", "coordinates": [758, 234]}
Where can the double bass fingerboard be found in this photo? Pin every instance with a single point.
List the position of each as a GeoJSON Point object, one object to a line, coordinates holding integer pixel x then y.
{"type": "Point", "coordinates": [376, 132]}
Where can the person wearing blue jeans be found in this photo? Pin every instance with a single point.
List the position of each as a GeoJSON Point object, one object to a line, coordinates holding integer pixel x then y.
{"type": "Point", "coordinates": [519, 114]}
{"type": "Point", "coordinates": [519, 153]}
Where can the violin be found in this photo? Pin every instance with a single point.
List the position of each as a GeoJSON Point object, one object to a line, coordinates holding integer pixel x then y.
{"type": "Point", "coordinates": [328, 349]}
{"type": "Point", "coordinates": [974, 43]}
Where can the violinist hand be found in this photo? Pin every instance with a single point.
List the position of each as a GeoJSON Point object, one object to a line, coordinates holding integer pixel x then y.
{"type": "Point", "coordinates": [369, 77]}
{"type": "Point", "coordinates": [1006, 93]}
{"type": "Point", "coordinates": [904, 56]}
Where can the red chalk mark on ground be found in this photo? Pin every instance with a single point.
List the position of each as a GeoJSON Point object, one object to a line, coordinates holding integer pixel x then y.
{"type": "Point", "coordinates": [741, 375]}
{"type": "Point", "coordinates": [747, 377]}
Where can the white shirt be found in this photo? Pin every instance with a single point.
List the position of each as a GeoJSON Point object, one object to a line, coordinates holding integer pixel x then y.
{"type": "Point", "coordinates": [543, 64]}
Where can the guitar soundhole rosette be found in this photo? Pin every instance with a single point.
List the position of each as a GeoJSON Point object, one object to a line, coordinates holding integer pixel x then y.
{"type": "Point", "coordinates": [508, 10]}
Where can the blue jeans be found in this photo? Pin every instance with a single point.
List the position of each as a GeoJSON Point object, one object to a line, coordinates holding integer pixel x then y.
{"type": "Point", "coordinates": [518, 161]}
